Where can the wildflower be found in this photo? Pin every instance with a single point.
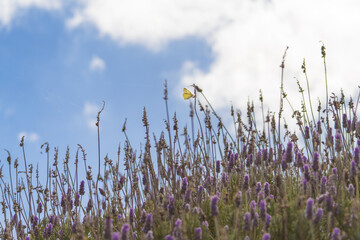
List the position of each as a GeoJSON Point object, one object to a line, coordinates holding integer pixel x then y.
{"type": "Point", "coordinates": [125, 232]}
{"type": "Point", "coordinates": [266, 236]}
{"type": "Point", "coordinates": [336, 234]}
{"type": "Point", "coordinates": [82, 188]}
{"type": "Point", "coordinates": [265, 155]}
{"type": "Point", "coordinates": [218, 166]}
{"type": "Point", "coordinates": [188, 196]}
{"type": "Point", "coordinates": [255, 221]}
{"type": "Point", "coordinates": [258, 159]}
{"type": "Point", "coordinates": [351, 190]}
{"type": "Point", "coordinates": [246, 182]}
{"type": "Point", "coordinates": [267, 222]}
{"type": "Point", "coordinates": [177, 230]}
{"type": "Point", "coordinates": [27, 238]}
{"type": "Point", "coordinates": [357, 155]}
{"type": "Point", "coordinates": [334, 170]}
{"type": "Point", "coordinates": [231, 162]}
{"type": "Point", "coordinates": [338, 142]}
{"type": "Point", "coordinates": [149, 235]}
{"type": "Point", "coordinates": [252, 208]}
{"type": "Point", "coordinates": [262, 207]}
{"type": "Point", "coordinates": [284, 165]}
{"type": "Point", "coordinates": [318, 216]}
{"type": "Point", "coordinates": [171, 206]}
{"type": "Point", "coordinates": [307, 172]}
{"type": "Point", "coordinates": [206, 224]}
{"type": "Point", "coordinates": [249, 160]}
{"type": "Point", "coordinates": [267, 188]}
{"type": "Point", "coordinates": [108, 228]}
{"type": "Point", "coordinates": [319, 130]}
{"type": "Point", "coordinates": [288, 153]}
{"type": "Point", "coordinates": [315, 165]}
{"type": "Point", "coordinates": [323, 185]}
{"type": "Point", "coordinates": [131, 216]}
{"type": "Point", "coordinates": [307, 132]}
{"type": "Point", "coordinates": [187, 207]}
{"type": "Point", "coordinates": [148, 223]}
{"type": "Point", "coordinates": [213, 205]}
{"type": "Point", "coordinates": [224, 178]}
{"type": "Point", "coordinates": [89, 205]}
{"type": "Point", "coordinates": [353, 169]}
{"type": "Point", "coordinates": [198, 233]}
{"type": "Point", "coordinates": [39, 208]}
{"type": "Point", "coordinates": [184, 185]}
{"type": "Point", "coordinates": [169, 237]}
{"type": "Point", "coordinates": [258, 187]}
{"type": "Point", "coordinates": [247, 221]}
{"type": "Point", "coordinates": [309, 208]}
{"type": "Point", "coordinates": [77, 200]}
{"type": "Point", "coordinates": [116, 236]}
{"type": "Point", "coordinates": [73, 227]}
{"type": "Point", "coordinates": [238, 199]}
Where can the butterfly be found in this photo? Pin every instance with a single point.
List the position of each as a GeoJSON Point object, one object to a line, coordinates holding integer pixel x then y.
{"type": "Point", "coordinates": [187, 94]}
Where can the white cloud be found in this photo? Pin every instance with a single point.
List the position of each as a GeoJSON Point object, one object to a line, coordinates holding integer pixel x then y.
{"type": "Point", "coordinates": [247, 39]}
{"type": "Point", "coordinates": [9, 8]}
{"type": "Point", "coordinates": [29, 136]}
{"type": "Point", "coordinates": [90, 111]}
{"type": "Point", "coordinates": [97, 64]}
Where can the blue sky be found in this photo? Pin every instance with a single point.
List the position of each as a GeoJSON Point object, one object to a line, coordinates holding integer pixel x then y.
{"type": "Point", "coordinates": [60, 59]}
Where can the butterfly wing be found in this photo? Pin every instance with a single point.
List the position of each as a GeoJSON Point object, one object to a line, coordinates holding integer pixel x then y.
{"type": "Point", "coordinates": [187, 94]}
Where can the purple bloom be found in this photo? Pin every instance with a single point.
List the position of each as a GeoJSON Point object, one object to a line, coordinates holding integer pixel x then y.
{"type": "Point", "coordinates": [309, 208]}
{"type": "Point", "coordinates": [315, 165]}
{"type": "Point", "coordinates": [255, 221]}
{"type": "Point", "coordinates": [323, 185]}
{"type": "Point", "coordinates": [246, 182]}
{"type": "Point", "coordinates": [288, 152]}
{"type": "Point", "coordinates": [171, 206]}
{"type": "Point", "coordinates": [265, 155]}
{"type": "Point", "coordinates": [307, 132]}
{"type": "Point", "coordinates": [319, 130]}
{"type": "Point", "coordinates": [357, 155]}
{"type": "Point", "coordinates": [27, 238]}
{"type": "Point", "coordinates": [353, 168]}
{"type": "Point", "coordinates": [336, 234]}
{"type": "Point", "coordinates": [267, 222]}
{"type": "Point", "coordinates": [238, 199]}
{"type": "Point", "coordinates": [334, 171]}
{"type": "Point", "coordinates": [284, 165]}
{"type": "Point", "coordinates": [169, 237]}
{"type": "Point", "coordinates": [252, 208]}
{"type": "Point", "coordinates": [266, 236]}
{"type": "Point", "coordinates": [184, 185]}
{"type": "Point", "coordinates": [249, 160]}
{"type": "Point", "coordinates": [213, 205]}
{"type": "Point", "coordinates": [351, 190]}
{"type": "Point", "coordinates": [82, 188]}
{"type": "Point", "coordinates": [258, 187]}
{"type": "Point", "coordinates": [149, 235]}
{"type": "Point", "coordinates": [148, 223]}
{"type": "Point", "coordinates": [307, 172]}
{"type": "Point", "coordinates": [344, 120]}
{"type": "Point", "coordinates": [198, 233]}
{"type": "Point", "coordinates": [116, 236]}
{"type": "Point", "coordinates": [206, 224]}
{"type": "Point", "coordinates": [338, 142]}
{"type": "Point", "coordinates": [262, 207]}
{"type": "Point", "coordinates": [218, 166]}
{"type": "Point", "coordinates": [39, 208]}
{"type": "Point", "coordinates": [77, 200]}
{"type": "Point", "coordinates": [177, 229]}
{"type": "Point", "coordinates": [108, 228]}
{"type": "Point", "coordinates": [258, 159]}
{"type": "Point", "coordinates": [124, 232]}
{"type": "Point", "coordinates": [267, 188]}
{"type": "Point", "coordinates": [247, 221]}
{"type": "Point", "coordinates": [73, 227]}
{"type": "Point", "coordinates": [131, 216]}
{"type": "Point", "coordinates": [318, 216]}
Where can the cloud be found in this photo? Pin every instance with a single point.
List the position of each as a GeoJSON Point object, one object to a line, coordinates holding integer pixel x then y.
{"type": "Point", "coordinates": [247, 40]}
{"type": "Point", "coordinates": [29, 136]}
{"type": "Point", "coordinates": [97, 64]}
{"type": "Point", "coordinates": [90, 111]}
{"type": "Point", "coordinates": [10, 8]}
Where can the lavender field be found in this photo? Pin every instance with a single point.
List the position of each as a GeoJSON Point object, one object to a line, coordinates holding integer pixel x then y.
{"type": "Point", "coordinates": [203, 181]}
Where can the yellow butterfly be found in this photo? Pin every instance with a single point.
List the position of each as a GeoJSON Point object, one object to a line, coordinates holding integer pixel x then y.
{"type": "Point", "coordinates": [187, 94]}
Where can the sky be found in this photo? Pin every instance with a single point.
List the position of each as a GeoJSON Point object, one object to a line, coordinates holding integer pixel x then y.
{"type": "Point", "coordinates": [60, 59]}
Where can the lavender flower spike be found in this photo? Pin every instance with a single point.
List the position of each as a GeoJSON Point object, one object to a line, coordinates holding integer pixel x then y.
{"type": "Point", "coordinates": [124, 232]}
{"type": "Point", "coordinates": [336, 234]}
{"type": "Point", "coordinates": [198, 233]}
{"type": "Point", "coordinates": [266, 236]}
{"type": "Point", "coordinates": [213, 205]}
{"type": "Point", "coordinates": [309, 208]}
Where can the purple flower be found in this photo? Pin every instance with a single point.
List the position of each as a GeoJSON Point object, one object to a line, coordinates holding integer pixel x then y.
{"type": "Point", "coordinates": [171, 206]}
{"type": "Point", "coordinates": [336, 234]}
{"type": "Point", "coordinates": [265, 155]}
{"type": "Point", "coordinates": [213, 205]}
{"type": "Point", "coordinates": [334, 171]}
{"type": "Point", "coordinates": [258, 187]}
{"type": "Point", "coordinates": [353, 169]}
{"type": "Point", "coordinates": [169, 237]}
{"type": "Point", "coordinates": [307, 172]}
{"type": "Point", "coordinates": [318, 216]}
{"type": "Point", "coordinates": [206, 224]}
{"type": "Point", "coordinates": [116, 236]}
{"type": "Point", "coordinates": [73, 227]}
{"type": "Point", "coordinates": [351, 190]}
{"type": "Point", "coordinates": [184, 185]}
{"type": "Point", "coordinates": [82, 188]}
{"type": "Point", "coordinates": [267, 222]}
{"type": "Point", "coordinates": [323, 185]}
{"type": "Point", "coordinates": [238, 198]}
{"type": "Point", "coordinates": [125, 232]}
{"type": "Point", "coordinates": [246, 182]}
{"type": "Point", "coordinates": [148, 223]}
{"type": "Point", "coordinates": [218, 166]}
{"type": "Point", "coordinates": [149, 235]}
{"type": "Point", "coordinates": [267, 188]}
{"type": "Point", "coordinates": [198, 233]}
{"type": "Point", "coordinates": [357, 155]}
{"type": "Point", "coordinates": [258, 159]}
{"type": "Point", "coordinates": [307, 132]}
{"type": "Point", "coordinates": [247, 221]}
{"type": "Point", "coordinates": [89, 205]}
{"type": "Point", "coordinates": [108, 228]}
{"type": "Point", "coordinates": [344, 120]}
{"type": "Point", "coordinates": [284, 165]}
{"type": "Point", "coordinates": [309, 208]}
{"type": "Point", "coordinates": [315, 165]}
{"type": "Point", "coordinates": [27, 238]}
{"type": "Point", "coordinates": [252, 208]}
{"type": "Point", "coordinates": [77, 200]}
{"type": "Point", "coordinates": [39, 208]}
{"type": "Point", "coordinates": [319, 130]}
{"type": "Point", "coordinates": [288, 152]}
{"type": "Point", "coordinates": [262, 207]}
{"type": "Point", "coordinates": [255, 221]}
{"type": "Point", "coordinates": [266, 236]}
{"type": "Point", "coordinates": [131, 216]}
{"type": "Point", "coordinates": [177, 229]}
{"type": "Point", "coordinates": [249, 160]}
{"type": "Point", "coordinates": [338, 142]}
